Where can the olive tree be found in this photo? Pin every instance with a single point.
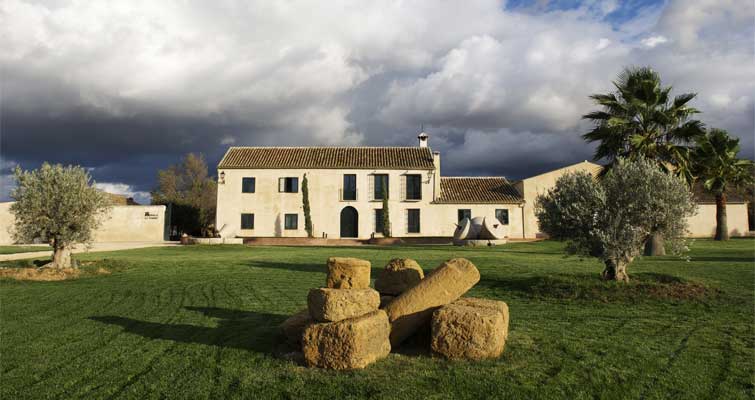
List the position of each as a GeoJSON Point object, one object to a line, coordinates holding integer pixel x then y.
{"type": "Point", "coordinates": [58, 205]}
{"type": "Point", "coordinates": [612, 217]}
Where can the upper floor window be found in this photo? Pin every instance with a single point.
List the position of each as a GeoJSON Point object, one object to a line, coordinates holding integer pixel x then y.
{"type": "Point", "coordinates": [502, 215]}
{"type": "Point", "coordinates": [412, 219]}
{"type": "Point", "coordinates": [349, 187]}
{"type": "Point", "coordinates": [291, 221]}
{"type": "Point", "coordinates": [248, 185]}
{"type": "Point", "coordinates": [247, 221]}
{"type": "Point", "coordinates": [464, 213]}
{"type": "Point", "coordinates": [413, 187]}
{"type": "Point", "coordinates": [381, 186]}
{"type": "Point", "coordinates": [288, 185]}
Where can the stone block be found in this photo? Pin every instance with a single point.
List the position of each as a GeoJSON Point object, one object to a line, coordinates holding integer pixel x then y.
{"type": "Point", "coordinates": [330, 305]}
{"type": "Point", "coordinates": [348, 273]}
{"type": "Point", "coordinates": [347, 344]}
{"type": "Point", "coordinates": [501, 306]}
{"type": "Point", "coordinates": [467, 332]}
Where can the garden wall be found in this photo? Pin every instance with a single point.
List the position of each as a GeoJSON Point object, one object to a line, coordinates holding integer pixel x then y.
{"type": "Point", "coordinates": [122, 224]}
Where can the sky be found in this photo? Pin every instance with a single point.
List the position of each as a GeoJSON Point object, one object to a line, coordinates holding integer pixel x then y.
{"type": "Point", "coordinates": [125, 88]}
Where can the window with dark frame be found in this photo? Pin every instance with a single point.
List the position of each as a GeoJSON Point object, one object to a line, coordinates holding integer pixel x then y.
{"type": "Point", "coordinates": [288, 185]}
{"type": "Point", "coordinates": [412, 218]}
{"type": "Point", "coordinates": [381, 183]}
{"type": "Point", "coordinates": [464, 213]}
{"type": "Point", "coordinates": [291, 221]}
{"type": "Point", "coordinates": [349, 187]}
{"type": "Point", "coordinates": [247, 221]}
{"type": "Point", "coordinates": [414, 187]}
{"type": "Point", "coordinates": [248, 185]}
{"type": "Point", "coordinates": [379, 220]}
{"type": "Point", "coordinates": [502, 215]}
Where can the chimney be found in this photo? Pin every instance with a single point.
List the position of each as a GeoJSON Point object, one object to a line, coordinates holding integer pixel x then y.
{"type": "Point", "coordinates": [423, 139]}
{"type": "Point", "coordinates": [436, 175]}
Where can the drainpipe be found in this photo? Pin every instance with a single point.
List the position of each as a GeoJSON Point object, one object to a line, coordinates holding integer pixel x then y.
{"type": "Point", "coordinates": [521, 205]}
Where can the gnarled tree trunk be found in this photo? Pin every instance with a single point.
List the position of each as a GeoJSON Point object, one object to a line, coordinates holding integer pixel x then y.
{"type": "Point", "coordinates": [722, 230]}
{"type": "Point", "coordinates": [616, 270]}
{"type": "Point", "coordinates": [61, 256]}
{"type": "Point", "coordinates": [654, 245]}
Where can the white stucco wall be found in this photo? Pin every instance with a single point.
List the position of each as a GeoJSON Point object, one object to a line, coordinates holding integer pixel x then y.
{"type": "Point", "coordinates": [530, 188]}
{"type": "Point", "coordinates": [703, 224]}
{"type": "Point", "coordinates": [122, 224]}
{"type": "Point", "coordinates": [269, 206]}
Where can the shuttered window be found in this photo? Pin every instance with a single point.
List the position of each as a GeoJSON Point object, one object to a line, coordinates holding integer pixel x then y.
{"type": "Point", "coordinates": [291, 221]}
{"type": "Point", "coordinates": [247, 221]}
{"type": "Point", "coordinates": [380, 186]}
{"type": "Point", "coordinates": [502, 215]}
{"type": "Point", "coordinates": [379, 220]}
{"type": "Point", "coordinates": [413, 187]}
{"type": "Point", "coordinates": [464, 213]}
{"type": "Point", "coordinates": [288, 185]}
{"type": "Point", "coordinates": [349, 187]}
{"type": "Point", "coordinates": [248, 185]}
{"type": "Point", "coordinates": [412, 220]}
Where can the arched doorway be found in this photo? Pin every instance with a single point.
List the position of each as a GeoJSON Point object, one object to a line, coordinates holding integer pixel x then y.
{"type": "Point", "coordinates": [349, 222]}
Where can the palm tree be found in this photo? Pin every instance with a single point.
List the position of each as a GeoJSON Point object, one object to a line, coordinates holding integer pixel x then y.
{"type": "Point", "coordinates": [641, 120]}
{"type": "Point", "coordinates": [715, 164]}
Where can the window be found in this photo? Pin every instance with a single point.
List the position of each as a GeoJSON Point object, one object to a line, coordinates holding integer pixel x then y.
{"type": "Point", "coordinates": [248, 185]}
{"type": "Point", "coordinates": [502, 215]}
{"type": "Point", "coordinates": [349, 187]}
{"type": "Point", "coordinates": [464, 213]}
{"type": "Point", "coordinates": [288, 185]}
{"type": "Point", "coordinates": [247, 221]}
{"type": "Point", "coordinates": [412, 219]}
{"type": "Point", "coordinates": [413, 187]}
{"type": "Point", "coordinates": [291, 221]}
{"type": "Point", "coordinates": [379, 227]}
{"type": "Point", "coordinates": [381, 185]}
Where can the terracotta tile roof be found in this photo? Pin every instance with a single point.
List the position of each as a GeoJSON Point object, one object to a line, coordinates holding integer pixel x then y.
{"type": "Point", "coordinates": [460, 190]}
{"type": "Point", "coordinates": [328, 157]}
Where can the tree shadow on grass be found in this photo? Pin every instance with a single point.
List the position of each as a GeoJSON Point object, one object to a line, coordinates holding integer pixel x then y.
{"type": "Point", "coordinates": [247, 330]}
{"type": "Point", "coordinates": [642, 287]}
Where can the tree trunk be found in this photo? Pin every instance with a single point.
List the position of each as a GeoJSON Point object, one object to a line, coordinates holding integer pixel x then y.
{"type": "Point", "coordinates": [654, 245]}
{"type": "Point", "coordinates": [722, 231]}
{"type": "Point", "coordinates": [61, 257]}
{"type": "Point", "coordinates": [616, 270]}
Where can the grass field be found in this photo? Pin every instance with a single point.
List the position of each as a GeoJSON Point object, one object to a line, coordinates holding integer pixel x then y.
{"type": "Point", "coordinates": [200, 322]}
{"type": "Point", "coordinates": [22, 249]}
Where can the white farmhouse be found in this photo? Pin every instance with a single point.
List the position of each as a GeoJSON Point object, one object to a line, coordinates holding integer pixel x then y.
{"type": "Point", "coordinates": [260, 194]}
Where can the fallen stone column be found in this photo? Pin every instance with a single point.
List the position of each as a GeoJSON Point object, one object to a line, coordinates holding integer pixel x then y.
{"type": "Point", "coordinates": [398, 275]}
{"type": "Point", "coordinates": [414, 307]}
{"type": "Point", "coordinates": [349, 343]}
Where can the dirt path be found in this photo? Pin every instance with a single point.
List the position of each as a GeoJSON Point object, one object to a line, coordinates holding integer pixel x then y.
{"type": "Point", "coordinates": [106, 246]}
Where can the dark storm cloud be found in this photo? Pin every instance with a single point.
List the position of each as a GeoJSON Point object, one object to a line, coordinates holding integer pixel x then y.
{"type": "Point", "coordinates": [128, 88]}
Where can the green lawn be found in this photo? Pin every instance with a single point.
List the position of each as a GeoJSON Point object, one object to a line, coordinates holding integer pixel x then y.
{"type": "Point", "coordinates": [22, 249]}
{"type": "Point", "coordinates": [200, 322]}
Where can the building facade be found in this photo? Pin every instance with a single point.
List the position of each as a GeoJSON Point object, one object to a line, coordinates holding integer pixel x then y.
{"type": "Point", "coordinates": [260, 193]}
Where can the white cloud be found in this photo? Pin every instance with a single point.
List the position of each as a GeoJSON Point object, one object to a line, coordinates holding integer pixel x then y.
{"type": "Point", "coordinates": [653, 41]}
{"type": "Point", "coordinates": [125, 190]}
{"type": "Point", "coordinates": [339, 72]}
